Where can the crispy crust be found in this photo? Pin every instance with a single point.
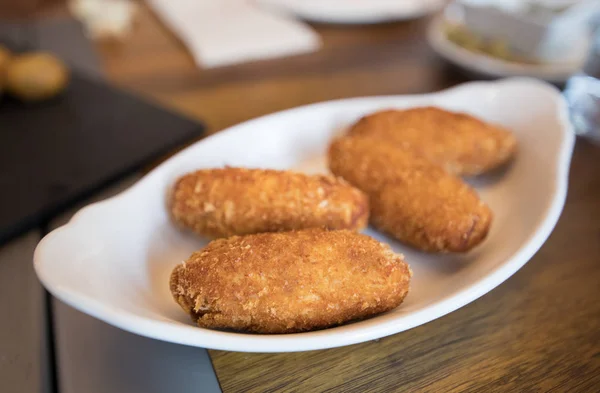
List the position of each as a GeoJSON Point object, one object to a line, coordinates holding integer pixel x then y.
{"type": "Point", "coordinates": [443, 215]}
{"type": "Point", "coordinates": [290, 282]}
{"type": "Point", "coordinates": [412, 199]}
{"type": "Point", "coordinates": [235, 201]}
{"type": "Point", "coordinates": [460, 143]}
{"type": "Point", "coordinates": [369, 164]}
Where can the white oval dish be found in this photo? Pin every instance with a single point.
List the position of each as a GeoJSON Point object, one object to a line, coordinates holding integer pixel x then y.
{"type": "Point", "coordinates": [357, 11]}
{"type": "Point", "coordinates": [113, 259]}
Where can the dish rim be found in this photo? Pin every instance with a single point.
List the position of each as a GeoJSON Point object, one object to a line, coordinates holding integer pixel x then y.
{"type": "Point", "coordinates": [171, 331]}
{"type": "Point", "coordinates": [370, 19]}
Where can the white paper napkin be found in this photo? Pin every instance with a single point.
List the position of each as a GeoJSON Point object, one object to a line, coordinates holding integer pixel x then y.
{"type": "Point", "coordinates": [225, 32]}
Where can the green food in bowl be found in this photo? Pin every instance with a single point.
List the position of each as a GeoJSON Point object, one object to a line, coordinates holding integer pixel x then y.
{"type": "Point", "coordinates": [497, 47]}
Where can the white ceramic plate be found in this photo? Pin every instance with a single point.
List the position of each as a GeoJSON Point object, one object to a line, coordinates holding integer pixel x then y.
{"type": "Point", "coordinates": [113, 259]}
{"type": "Point", "coordinates": [482, 64]}
{"type": "Point", "coordinates": [355, 11]}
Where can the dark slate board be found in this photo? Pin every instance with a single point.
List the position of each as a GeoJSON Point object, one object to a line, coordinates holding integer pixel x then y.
{"type": "Point", "coordinates": [55, 153]}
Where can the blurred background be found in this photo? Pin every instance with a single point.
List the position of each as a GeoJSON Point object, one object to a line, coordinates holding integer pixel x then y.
{"type": "Point", "coordinates": [178, 52]}
{"type": "Point", "coordinates": [97, 92]}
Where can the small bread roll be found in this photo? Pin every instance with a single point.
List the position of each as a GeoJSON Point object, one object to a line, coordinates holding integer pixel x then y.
{"type": "Point", "coordinates": [236, 201]}
{"type": "Point", "coordinates": [36, 76]}
{"type": "Point", "coordinates": [5, 57]}
{"type": "Point", "coordinates": [411, 198]}
{"type": "Point", "coordinates": [290, 282]}
{"type": "Point", "coordinates": [460, 143]}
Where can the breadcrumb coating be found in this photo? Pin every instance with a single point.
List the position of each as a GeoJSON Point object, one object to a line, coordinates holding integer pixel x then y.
{"type": "Point", "coordinates": [460, 143]}
{"type": "Point", "coordinates": [237, 201]}
{"type": "Point", "coordinates": [411, 198]}
{"type": "Point", "coordinates": [290, 281]}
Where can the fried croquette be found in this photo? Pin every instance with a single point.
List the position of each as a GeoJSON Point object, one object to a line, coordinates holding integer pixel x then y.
{"type": "Point", "coordinates": [411, 198]}
{"type": "Point", "coordinates": [435, 215]}
{"type": "Point", "coordinates": [236, 201]}
{"type": "Point", "coordinates": [460, 143]}
{"type": "Point", "coordinates": [369, 164]}
{"type": "Point", "coordinates": [290, 281]}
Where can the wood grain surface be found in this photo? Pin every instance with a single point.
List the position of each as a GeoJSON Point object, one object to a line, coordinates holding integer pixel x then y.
{"type": "Point", "coordinates": [537, 332]}
{"type": "Point", "coordinates": [23, 331]}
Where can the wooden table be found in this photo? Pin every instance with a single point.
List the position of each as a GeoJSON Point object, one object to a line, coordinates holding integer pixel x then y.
{"type": "Point", "coordinates": [539, 331]}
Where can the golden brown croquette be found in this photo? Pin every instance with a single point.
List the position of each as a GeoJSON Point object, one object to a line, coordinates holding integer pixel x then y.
{"type": "Point", "coordinates": [460, 143]}
{"type": "Point", "coordinates": [236, 201]}
{"type": "Point", "coordinates": [290, 281]}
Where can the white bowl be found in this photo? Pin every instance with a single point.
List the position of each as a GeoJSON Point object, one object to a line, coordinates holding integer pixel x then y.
{"type": "Point", "coordinates": [113, 259]}
{"type": "Point", "coordinates": [561, 39]}
{"type": "Point", "coordinates": [483, 64]}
